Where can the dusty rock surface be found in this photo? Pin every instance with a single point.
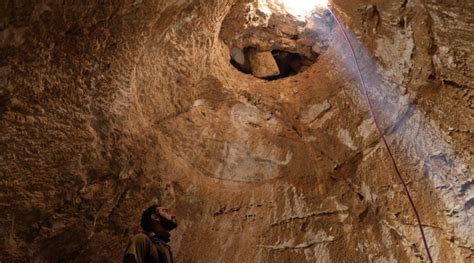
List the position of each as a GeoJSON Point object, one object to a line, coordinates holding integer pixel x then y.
{"type": "Point", "coordinates": [106, 108]}
{"type": "Point", "coordinates": [263, 64]}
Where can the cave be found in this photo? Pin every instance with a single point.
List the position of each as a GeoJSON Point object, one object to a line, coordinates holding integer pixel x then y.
{"type": "Point", "coordinates": [275, 130]}
{"type": "Point", "coordinates": [281, 47]}
{"type": "Point", "coordinates": [288, 63]}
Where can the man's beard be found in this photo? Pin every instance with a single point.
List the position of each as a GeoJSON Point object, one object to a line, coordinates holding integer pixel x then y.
{"type": "Point", "coordinates": [167, 224]}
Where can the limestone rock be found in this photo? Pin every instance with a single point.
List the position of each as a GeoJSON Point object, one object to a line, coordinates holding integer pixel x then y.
{"type": "Point", "coordinates": [238, 55]}
{"type": "Point", "coordinates": [263, 64]}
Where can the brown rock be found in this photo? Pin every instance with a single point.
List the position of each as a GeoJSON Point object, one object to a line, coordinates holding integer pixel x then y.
{"type": "Point", "coordinates": [263, 64]}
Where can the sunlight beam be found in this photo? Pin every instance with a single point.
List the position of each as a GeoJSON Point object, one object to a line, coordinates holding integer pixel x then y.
{"type": "Point", "coordinates": [301, 8]}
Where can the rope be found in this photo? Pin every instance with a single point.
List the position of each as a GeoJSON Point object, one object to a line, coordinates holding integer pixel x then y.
{"type": "Point", "coordinates": [382, 136]}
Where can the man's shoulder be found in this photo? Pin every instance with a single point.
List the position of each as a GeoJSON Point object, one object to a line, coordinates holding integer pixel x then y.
{"type": "Point", "coordinates": [141, 237]}
{"type": "Point", "coordinates": [140, 247]}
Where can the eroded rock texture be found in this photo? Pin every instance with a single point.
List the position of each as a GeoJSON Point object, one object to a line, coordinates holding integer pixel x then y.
{"type": "Point", "coordinates": [109, 106]}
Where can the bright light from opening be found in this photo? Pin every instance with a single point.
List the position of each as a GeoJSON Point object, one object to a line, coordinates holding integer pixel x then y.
{"type": "Point", "coordinates": [302, 8]}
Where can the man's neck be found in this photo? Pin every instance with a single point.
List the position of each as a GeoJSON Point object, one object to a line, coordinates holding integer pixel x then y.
{"type": "Point", "coordinates": [162, 235]}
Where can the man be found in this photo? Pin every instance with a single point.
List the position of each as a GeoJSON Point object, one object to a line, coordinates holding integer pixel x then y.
{"type": "Point", "coordinates": [152, 244]}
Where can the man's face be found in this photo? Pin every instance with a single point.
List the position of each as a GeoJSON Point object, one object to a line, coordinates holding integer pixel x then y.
{"type": "Point", "coordinates": [165, 218]}
{"type": "Point", "coordinates": [164, 212]}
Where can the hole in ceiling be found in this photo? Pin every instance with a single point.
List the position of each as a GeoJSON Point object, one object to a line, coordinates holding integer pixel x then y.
{"type": "Point", "coordinates": [271, 44]}
{"type": "Point", "coordinates": [288, 63]}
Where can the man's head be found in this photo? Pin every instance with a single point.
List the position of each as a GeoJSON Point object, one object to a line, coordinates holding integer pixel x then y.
{"type": "Point", "coordinates": [157, 218]}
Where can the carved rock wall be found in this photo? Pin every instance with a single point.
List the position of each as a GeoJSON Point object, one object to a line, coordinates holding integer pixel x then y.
{"type": "Point", "coordinates": [108, 107]}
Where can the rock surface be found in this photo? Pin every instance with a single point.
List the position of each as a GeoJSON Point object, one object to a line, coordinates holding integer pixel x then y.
{"type": "Point", "coordinates": [263, 64]}
{"type": "Point", "coordinates": [106, 108]}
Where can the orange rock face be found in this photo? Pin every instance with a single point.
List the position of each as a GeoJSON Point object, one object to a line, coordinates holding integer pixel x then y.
{"type": "Point", "coordinates": [263, 64]}
{"type": "Point", "coordinates": [106, 108]}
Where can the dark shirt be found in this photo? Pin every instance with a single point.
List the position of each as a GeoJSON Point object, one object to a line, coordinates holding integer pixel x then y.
{"type": "Point", "coordinates": [149, 247]}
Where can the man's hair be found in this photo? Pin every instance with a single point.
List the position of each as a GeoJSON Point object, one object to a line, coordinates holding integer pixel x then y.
{"type": "Point", "coordinates": [146, 222]}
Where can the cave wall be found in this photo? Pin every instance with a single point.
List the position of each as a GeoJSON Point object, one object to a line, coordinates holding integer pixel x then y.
{"type": "Point", "coordinates": [69, 149]}
{"type": "Point", "coordinates": [108, 107]}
